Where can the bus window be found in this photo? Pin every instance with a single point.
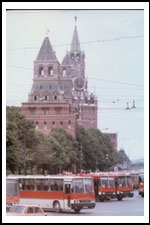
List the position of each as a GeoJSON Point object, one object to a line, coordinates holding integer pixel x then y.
{"type": "Point", "coordinates": [67, 188]}
{"type": "Point", "coordinates": [121, 182]}
{"type": "Point", "coordinates": [104, 182]}
{"type": "Point", "coordinates": [46, 185]}
{"type": "Point", "coordinates": [78, 187]}
{"type": "Point", "coordinates": [88, 185]}
{"type": "Point", "coordinates": [111, 182]}
{"type": "Point", "coordinates": [39, 185]}
{"type": "Point", "coordinates": [12, 188]}
{"type": "Point", "coordinates": [129, 181]}
{"type": "Point", "coordinates": [56, 185]}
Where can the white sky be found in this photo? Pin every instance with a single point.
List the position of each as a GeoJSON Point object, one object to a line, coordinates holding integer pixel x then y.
{"type": "Point", "coordinates": [114, 68]}
{"type": "Point", "coordinates": [117, 70]}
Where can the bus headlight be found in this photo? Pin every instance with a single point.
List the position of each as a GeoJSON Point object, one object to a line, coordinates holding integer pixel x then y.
{"type": "Point", "coordinates": [76, 201]}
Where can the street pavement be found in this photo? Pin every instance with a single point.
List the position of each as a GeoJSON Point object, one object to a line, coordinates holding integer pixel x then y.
{"type": "Point", "coordinates": [127, 207]}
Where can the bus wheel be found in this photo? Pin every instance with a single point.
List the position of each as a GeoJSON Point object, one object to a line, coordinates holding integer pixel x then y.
{"type": "Point", "coordinates": [101, 199]}
{"type": "Point", "coordinates": [119, 198]}
{"type": "Point", "coordinates": [56, 207]}
{"type": "Point", "coordinates": [77, 210]}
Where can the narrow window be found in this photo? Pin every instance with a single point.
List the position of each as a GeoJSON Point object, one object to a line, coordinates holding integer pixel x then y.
{"type": "Point", "coordinates": [41, 71]}
{"type": "Point", "coordinates": [55, 97]}
{"type": "Point", "coordinates": [45, 127]}
{"type": "Point", "coordinates": [50, 71]}
{"type": "Point", "coordinates": [36, 124]}
{"type": "Point", "coordinates": [64, 73]}
{"type": "Point", "coordinates": [69, 124]}
{"type": "Point", "coordinates": [46, 97]}
{"type": "Point", "coordinates": [35, 98]}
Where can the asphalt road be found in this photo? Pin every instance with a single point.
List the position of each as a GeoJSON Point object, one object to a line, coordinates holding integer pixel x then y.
{"type": "Point", "coordinates": [127, 207]}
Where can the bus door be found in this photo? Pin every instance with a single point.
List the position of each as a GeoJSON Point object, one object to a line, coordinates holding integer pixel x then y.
{"type": "Point", "coordinates": [96, 188]}
{"type": "Point", "coordinates": [67, 195]}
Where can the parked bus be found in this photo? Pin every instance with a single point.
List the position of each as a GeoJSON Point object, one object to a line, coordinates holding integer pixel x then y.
{"type": "Point", "coordinates": [124, 186]}
{"type": "Point", "coordinates": [12, 192]}
{"type": "Point", "coordinates": [104, 186]}
{"type": "Point", "coordinates": [135, 179]}
{"type": "Point", "coordinates": [141, 184]}
{"type": "Point", "coordinates": [57, 193]}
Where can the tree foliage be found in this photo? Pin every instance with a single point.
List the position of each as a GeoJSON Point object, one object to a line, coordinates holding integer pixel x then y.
{"type": "Point", "coordinates": [58, 150]}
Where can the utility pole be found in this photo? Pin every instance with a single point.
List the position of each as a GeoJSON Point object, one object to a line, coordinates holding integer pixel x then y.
{"type": "Point", "coordinates": [81, 158]}
{"type": "Point", "coordinates": [96, 160]}
{"type": "Point", "coordinates": [107, 162]}
{"type": "Point", "coordinates": [60, 156]}
{"type": "Point", "coordinates": [25, 147]}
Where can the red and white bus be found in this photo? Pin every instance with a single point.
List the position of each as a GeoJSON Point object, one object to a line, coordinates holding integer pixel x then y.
{"type": "Point", "coordinates": [104, 186]}
{"type": "Point", "coordinates": [124, 186]}
{"type": "Point", "coordinates": [135, 179]}
{"type": "Point", "coordinates": [141, 184]}
{"type": "Point", "coordinates": [57, 193]}
{"type": "Point", "coordinates": [12, 192]}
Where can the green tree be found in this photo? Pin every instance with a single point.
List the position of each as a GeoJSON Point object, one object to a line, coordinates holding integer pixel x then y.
{"type": "Point", "coordinates": [96, 146]}
{"type": "Point", "coordinates": [18, 128]}
{"type": "Point", "coordinates": [68, 150]}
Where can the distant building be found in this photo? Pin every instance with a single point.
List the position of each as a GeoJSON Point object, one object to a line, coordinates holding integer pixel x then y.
{"type": "Point", "coordinates": [59, 96]}
{"type": "Point", "coordinates": [113, 139]}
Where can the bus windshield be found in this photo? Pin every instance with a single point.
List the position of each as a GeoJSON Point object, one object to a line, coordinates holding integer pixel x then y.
{"type": "Point", "coordinates": [141, 178]}
{"type": "Point", "coordinates": [12, 188]}
{"type": "Point", "coordinates": [88, 185]}
{"type": "Point", "coordinates": [107, 182]}
{"type": "Point", "coordinates": [111, 182]}
{"type": "Point", "coordinates": [104, 182]}
{"type": "Point", "coordinates": [121, 182]}
{"type": "Point", "coordinates": [129, 181]}
{"type": "Point", "coordinates": [78, 187]}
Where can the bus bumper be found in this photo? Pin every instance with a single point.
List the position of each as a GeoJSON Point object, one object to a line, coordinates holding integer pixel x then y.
{"type": "Point", "coordinates": [82, 206]}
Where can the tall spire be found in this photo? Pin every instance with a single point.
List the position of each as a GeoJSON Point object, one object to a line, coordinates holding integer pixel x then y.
{"type": "Point", "coordinates": [75, 44]}
{"type": "Point", "coordinates": [46, 51]}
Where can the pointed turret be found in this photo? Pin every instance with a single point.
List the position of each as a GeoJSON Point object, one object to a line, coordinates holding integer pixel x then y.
{"type": "Point", "coordinates": [75, 44]}
{"type": "Point", "coordinates": [46, 51]}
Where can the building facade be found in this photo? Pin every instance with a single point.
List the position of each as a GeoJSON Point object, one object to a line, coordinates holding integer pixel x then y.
{"type": "Point", "coordinates": [59, 96]}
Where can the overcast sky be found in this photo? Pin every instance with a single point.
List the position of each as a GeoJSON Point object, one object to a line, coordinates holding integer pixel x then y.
{"type": "Point", "coordinates": [113, 42]}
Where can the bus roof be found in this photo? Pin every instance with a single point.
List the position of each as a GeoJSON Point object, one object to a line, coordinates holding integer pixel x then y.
{"type": "Point", "coordinates": [44, 177]}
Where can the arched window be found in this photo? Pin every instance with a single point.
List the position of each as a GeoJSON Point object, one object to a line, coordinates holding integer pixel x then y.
{"type": "Point", "coordinates": [41, 71]}
{"type": "Point", "coordinates": [50, 71]}
{"type": "Point", "coordinates": [35, 98]}
{"type": "Point", "coordinates": [45, 97]}
{"type": "Point", "coordinates": [55, 97]}
{"type": "Point", "coordinates": [72, 56]}
{"type": "Point", "coordinates": [45, 125]}
{"type": "Point", "coordinates": [78, 57]}
{"type": "Point", "coordinates": [61, 123]}
{"type": "Point", "coordinates": [64, 72]}
{"type": "Point", "coordinates": [36, 124]}
{"type": "Point", "coordinates": [69, 124]}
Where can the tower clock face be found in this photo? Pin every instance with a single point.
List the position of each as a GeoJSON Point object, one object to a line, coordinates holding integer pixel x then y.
{"type": "Point", "coordinates": [79, 83]}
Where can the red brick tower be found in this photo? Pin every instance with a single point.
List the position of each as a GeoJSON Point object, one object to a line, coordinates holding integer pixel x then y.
{"type": "Point", "coordinates": [85, 104]}
{"type": "Point", "coordinates": [59, 97]}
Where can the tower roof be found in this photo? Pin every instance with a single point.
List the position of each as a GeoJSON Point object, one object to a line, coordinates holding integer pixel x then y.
{"type": "Point", "coordinates": [46, 51]}
{"type": "Point", "coordinates": [75, 44]}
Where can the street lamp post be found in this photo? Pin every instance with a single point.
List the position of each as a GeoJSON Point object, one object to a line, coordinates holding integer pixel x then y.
{"type": "Point", "coordinates": [81, 157]}
{"type": "Point", "coordinates": [107, 162]}
{"type": "Point", "coordinates": [60, 156]}
{"type": "Point", "coordinates": [25, 148]}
